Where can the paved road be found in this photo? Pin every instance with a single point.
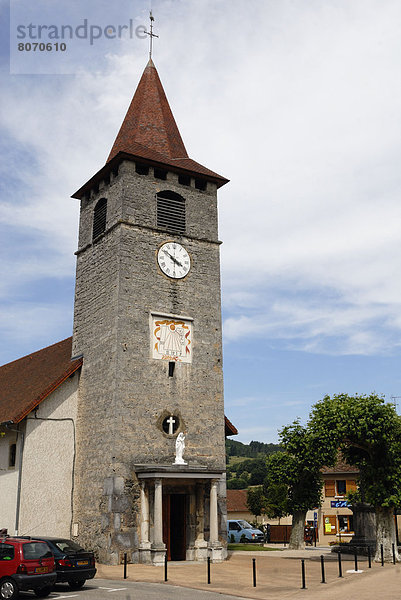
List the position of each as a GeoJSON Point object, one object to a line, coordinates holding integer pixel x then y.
{"type": "Point", "coordinates": [106, 589]}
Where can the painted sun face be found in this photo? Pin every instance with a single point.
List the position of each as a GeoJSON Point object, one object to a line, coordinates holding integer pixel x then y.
{"type": "Point", "coordinates": [174, 260]}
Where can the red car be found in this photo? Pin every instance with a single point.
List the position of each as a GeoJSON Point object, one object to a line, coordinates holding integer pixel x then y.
{"type": "Point", "coordinates": [25, 564]}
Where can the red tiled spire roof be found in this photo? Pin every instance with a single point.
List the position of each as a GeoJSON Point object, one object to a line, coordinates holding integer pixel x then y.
{"type": "Point", "coordinates": [149, 121]}
{"type": "Point", "coordinates": [149, 133]}
{"type": "Point", "coordinates": [25, 382]}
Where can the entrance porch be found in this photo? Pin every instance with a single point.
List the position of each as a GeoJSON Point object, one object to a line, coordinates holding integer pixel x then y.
{"type": "Point", "coordinates": [180, 514]}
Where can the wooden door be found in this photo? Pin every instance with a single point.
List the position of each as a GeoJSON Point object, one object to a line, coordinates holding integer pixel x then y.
{"type": "Point", "coordinates": [174, 525]}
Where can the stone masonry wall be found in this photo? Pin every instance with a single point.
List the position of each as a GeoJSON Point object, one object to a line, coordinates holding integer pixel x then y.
{"type": "Point", "coordinates": [123, 390]}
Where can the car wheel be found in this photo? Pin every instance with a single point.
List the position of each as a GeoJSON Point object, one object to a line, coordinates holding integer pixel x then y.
{"type": "Point", "coordinates": [43, 592]}
{"type": "Point", "coordinates": [76, 585]}
{"type": "Point", "coordinates": [8, 589]}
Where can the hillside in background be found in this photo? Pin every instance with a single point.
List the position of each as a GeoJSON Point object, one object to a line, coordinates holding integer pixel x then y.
{"type": "Point", "coordinates": [251, 450]}
{"type": "Point", "coordinates": [246, 463]}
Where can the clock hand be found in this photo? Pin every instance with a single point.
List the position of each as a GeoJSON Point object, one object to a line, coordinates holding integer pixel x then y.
{"type": "Point", "coordinates": [177, 262]}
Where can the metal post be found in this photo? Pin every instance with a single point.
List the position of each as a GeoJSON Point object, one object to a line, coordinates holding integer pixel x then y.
{"type": "Point", "coordinates": [125, 565]}
{"type": "Point", "coordinates": [382, 554]}
{"type": "Point", "coordinates": [303, 573]}
{"type": "Point", "coordinates": [165, 567]}
{"type": "Point", "coordinates": [208, 569]}
{"type": "Point", "coordinates": [254, 571]}
{"type": "Point", "coordinates": [356, 558]}
{"type": "Point", "coordinates": [369, 558]}
{"type": "Point", "coordinates": [340, 567]}
{"type": "Point", "coordinates": [393, 554]}
{"type": "Point", "coordinates": [322, 565]}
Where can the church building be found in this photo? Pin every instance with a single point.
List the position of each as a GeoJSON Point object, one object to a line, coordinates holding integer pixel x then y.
{"type": "Point", "coordinates": [116, 437]}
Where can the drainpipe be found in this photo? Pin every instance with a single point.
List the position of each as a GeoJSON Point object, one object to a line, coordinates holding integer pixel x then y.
{"type": "Point", "coordinates": [8, 424]}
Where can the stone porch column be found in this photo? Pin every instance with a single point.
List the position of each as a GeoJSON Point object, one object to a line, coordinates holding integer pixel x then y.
{"type": "Point", "coordinates": [144, 546]}
{"type": "Point", "coordinates": [158, 515]}
{"type": "Point", "coordinates": [158, 546]}
{"type": "Point", "coordinates": [200, 542]}
{"type": "Point", "coordinates": [216, 549]}
{"type": "Point", "coordinates": [214, 530]}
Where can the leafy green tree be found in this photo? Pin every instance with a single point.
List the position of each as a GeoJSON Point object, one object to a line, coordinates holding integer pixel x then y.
{"type": "Point", "coordinates": [256, 501]}
{"type": "Point", "coordinates": [254, 469]}
{"type": "Point", "coordinates": [298, 469]}
{"type": "Point", "coordinates": [368, 434]}
{"type": "Point", "coordinates": [276, 499]}
{"type": "Point", "coordinates": [239, 483]}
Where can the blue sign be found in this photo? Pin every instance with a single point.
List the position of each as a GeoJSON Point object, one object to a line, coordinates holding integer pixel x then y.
{"type": "Point", "coordinates": [339, 504]}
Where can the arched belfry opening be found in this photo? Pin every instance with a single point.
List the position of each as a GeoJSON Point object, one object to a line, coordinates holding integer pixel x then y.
{"type": "Point", "coordinates": [99, 218]}
{"type": "Point", "coordinates": [171, 211]}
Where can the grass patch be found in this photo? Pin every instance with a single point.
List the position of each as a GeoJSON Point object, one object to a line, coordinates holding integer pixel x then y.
{"type": "Point", "coordinates": [234, 460]}
{"type": "Point", "coordinates": [251, 548]}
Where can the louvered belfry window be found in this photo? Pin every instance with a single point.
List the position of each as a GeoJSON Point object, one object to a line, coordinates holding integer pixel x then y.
{"type": "Point", "coordinates": [99, 217]}
{"type": "Point", "coordinates": [171, 211]}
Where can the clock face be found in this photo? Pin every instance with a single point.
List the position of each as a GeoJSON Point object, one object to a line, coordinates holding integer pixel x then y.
{"type": "Point", "coordinates": [174, 260]}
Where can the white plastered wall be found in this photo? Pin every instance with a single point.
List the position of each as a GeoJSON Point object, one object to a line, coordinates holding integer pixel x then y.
{"type": "Point", "coordinates": [48, 462]}
{"type": "Point", "coordinates": [8, 482]}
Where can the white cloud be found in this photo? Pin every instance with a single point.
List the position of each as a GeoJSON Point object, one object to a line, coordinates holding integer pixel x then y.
{"type": "Point", "coordinates": [299, 104]}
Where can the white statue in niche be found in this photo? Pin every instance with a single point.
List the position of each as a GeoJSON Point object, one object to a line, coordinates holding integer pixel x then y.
{"type": "Point", "coordinates": [179, 449]}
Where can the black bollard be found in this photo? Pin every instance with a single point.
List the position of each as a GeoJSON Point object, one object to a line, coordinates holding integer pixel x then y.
{"type": "Point", "coordinates": [382, 554]}
{"type": "Point", "coordinates": [303, 573]}
{"type": "Point", "coordinates": [208, 569]}
{"type": "Point", "coordinates": [165, 567]}
{"type": "Point", "coordinates": [356, 558]}
{"type": "Point", "coordinates": [254, 571]}
{"type": "Point", "coordinates": [340, 567]}
{"type": "Point", "coordinates": [393, 554]}
{"type": "Point", "coordinates": [322, 565]}
{"type": "Point", "coordinates": [125, 565]}
{"type": "Point", "coordinates": [369, 558]}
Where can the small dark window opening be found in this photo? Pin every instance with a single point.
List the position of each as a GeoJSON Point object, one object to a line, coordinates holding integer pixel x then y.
{"type": "Point", "coordinates": [107, 179]}
{"type": "Point", "coordinates": [141, 169]}
{"type": "Point", "coordinates": [341, 487]}
{"type": "Point", "coordinates": [200, 184]}
{"type": "Point", "coordinates": [171, 367]}
{"type": "Point", "coordinates": [115, 171]}
{"type": "Point", "coordinates": [171, 211]}
{"type": "Point", "coordinates": [171, 424]}
{"type": "Point", "coordinates": [160, 174]}
{"type": "Point", "coordinates": [184, 179]}
{"type": "Point", "coordinates": [96, 188]}
{"type": "Point", "coordinates": [12, 455]}
{"type": "Point", "coordinates": [99, 217]}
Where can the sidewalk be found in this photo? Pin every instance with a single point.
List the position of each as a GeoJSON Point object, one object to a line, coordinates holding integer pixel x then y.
{"type": "Point", "coordinates": [278, 576]}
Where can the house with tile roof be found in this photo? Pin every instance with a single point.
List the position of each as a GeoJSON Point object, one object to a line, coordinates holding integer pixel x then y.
{"type": "Point", "coordinates": [334, 519]}
{"type": "Point", "coordinates": [116, 437]}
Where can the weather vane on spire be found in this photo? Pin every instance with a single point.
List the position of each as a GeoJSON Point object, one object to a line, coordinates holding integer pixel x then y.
{"type": "Point", "coordinates": [151, 34]}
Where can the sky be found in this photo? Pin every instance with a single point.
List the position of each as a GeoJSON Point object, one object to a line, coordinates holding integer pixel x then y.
{"type": "Point", "coordinates": [297, 102]}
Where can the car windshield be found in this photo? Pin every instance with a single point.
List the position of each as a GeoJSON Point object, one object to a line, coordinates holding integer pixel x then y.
{"type": "Point", "coordinates": [36, 550]}
{"type": "Point", "coordinates": [68, 546]}
{"type": "Point", "coordinates": [245, 525]}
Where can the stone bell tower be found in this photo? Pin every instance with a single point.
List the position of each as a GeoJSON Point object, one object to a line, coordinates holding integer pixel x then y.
{"type": "Point", "coordinates": [150, 465]}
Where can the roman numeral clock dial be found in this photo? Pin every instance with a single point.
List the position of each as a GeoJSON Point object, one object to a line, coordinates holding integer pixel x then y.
{"type": "Point", "coordinates": [174, 260]}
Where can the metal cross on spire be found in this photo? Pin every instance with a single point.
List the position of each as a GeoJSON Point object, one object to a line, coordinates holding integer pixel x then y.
{"type": "Point", "coordinates": [151, 34]}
